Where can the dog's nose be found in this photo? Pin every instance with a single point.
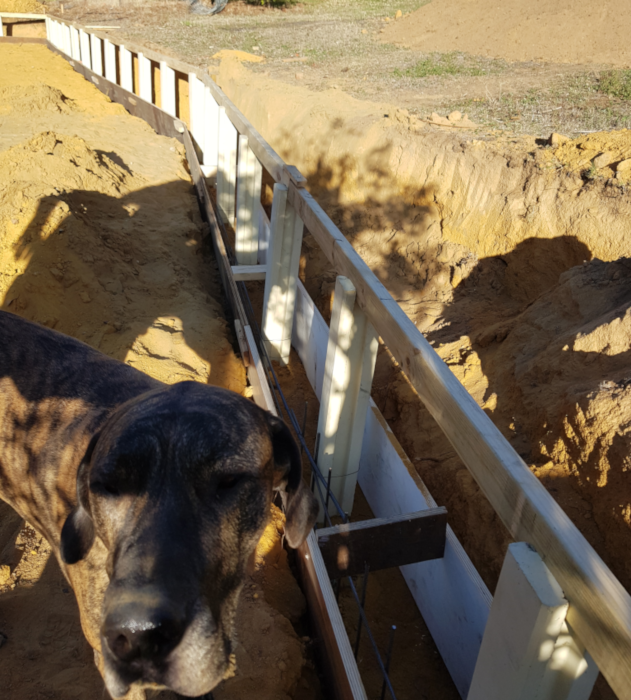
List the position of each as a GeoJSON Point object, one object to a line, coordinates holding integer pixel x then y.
{"type": "Point", "coordinates": [138, 632]}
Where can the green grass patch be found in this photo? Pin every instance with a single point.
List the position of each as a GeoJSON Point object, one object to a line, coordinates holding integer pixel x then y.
{"type": "Point", "coordinates": [616, 83]}
{"type": "Point", "coordinates": [448, 64]}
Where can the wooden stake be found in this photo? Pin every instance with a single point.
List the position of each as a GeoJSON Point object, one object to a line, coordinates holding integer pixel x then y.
{"type": "Point", "coordinates": [522, 656]}
{"type": "Point", "coordinates": [350, 364]}
{"type": "Point", "coordinates": [283, 260]}
{"type": "Point", "coordinates": [226, 168]}
{"type": "Point", "coordinates": [248, 201]}
{"type": "Point", "coordinates": [167, 88]}
{"type": "Point", "coordinates": [97, 55]}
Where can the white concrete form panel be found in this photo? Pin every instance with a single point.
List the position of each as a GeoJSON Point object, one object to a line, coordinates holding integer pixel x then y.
{"type": "Point", "coordinates": [110, 61]}
{"type": "Point", "coordinates": [167, 89]}
{"type": "Point", "coordinates": [226, 168]}
{"type": "Point", "coordinates": [249, 178]}
{"type": "Point", "coordinates": [449, 592]}
{"type": "Point", "coordinates": [96, 47]}
{"type": "Point", "coordinates": [127, 69]}
{"type": "Point", "coordinates": [283, 260]}
{"type": "Point", "coordinates": [210, 128]}
{"type": "Point", "coordinates": [84, 45]}
{"type": "Point", "coordinates": [145, 87]}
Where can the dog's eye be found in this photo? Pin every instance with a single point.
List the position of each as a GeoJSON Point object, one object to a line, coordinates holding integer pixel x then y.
{"type": "Point", "coordinates": [104, 489]}
{"type": "Point", "coordinates": [228, 482]}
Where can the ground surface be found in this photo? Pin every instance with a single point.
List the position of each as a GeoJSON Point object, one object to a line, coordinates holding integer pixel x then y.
{"type": "Point", "coordinates": [101, 240]}
{"type": "Point", "coordinates": [490, 238]}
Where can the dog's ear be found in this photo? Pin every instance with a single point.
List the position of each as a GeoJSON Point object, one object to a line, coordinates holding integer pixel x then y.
{"type": "Point", "coordinates": [301, 507]}
{"type": "Point", "coordinates": [77, 534]}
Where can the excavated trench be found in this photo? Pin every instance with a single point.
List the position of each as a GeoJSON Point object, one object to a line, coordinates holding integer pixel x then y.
{"type": "Point", "coordinates": [513, 257]}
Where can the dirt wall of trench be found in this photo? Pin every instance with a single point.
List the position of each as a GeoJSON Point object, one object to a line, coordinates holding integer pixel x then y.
{"type": "Point", "coordinates": [502, 250]}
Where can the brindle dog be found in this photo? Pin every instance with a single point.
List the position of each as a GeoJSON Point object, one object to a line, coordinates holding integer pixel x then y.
{"type": "Point", "coordinates": [152, 496]}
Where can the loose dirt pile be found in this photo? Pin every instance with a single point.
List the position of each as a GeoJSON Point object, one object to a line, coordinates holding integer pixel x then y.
{"type": "Point", "coordinates": [476, 239]}
{"type": "Point", "coordinates": [102, 240]}
{"type": "Point", "coordinates": [557, 31]}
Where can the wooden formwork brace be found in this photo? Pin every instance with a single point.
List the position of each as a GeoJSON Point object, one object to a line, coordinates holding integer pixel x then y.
{"type": "Point", "coordinates": [348, 373]}
{"type": "Point", "coordinates": [226, 168]}
{"type": "Point", "coordinates": [281, 279]}
{"type": "Point", "coordinates": [249, 177]}
{"type": "Point", "coordinates": [527, 651]}
{"type": "Point", "coordinates": [96, 52]}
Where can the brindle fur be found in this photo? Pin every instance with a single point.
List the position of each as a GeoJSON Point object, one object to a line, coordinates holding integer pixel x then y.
{"type": "Point", "coordinates": [150, 495]}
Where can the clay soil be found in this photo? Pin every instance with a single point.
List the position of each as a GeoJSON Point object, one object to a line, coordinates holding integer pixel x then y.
{"type": "Point", "coordinates": [102, 240]}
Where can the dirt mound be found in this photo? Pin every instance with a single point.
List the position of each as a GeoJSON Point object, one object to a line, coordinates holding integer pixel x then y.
{"type": "Point", "coordinates": [558, 31]}
{"type": "Point", "coordinates": [102, 240]}
{"type": "Point", "coordinates": [22, 6]}
{"type": "Point", "coordinates": [22, 98]}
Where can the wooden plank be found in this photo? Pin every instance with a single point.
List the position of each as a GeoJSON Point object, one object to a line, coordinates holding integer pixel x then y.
{"type": "Point", "coordinates": [339, 661]}
{"type": "Point", "coordinates": [449, 592]}
{"type": "Point", "coordinates": [97, 54]}
{"type": "Point", "coordinates": [249, 180]}
{"type": "Point", "coordinates": [349, 368]}
{"type": "Point", "coordinates": [167, 88]}
{"type": "Point", "coordinates": [75, 45]}
{"type": "Point", "coordinates": [145, 79]}
{"type": "Point", "coordinates": [265, 234]}
{"type": "Point", "coordinates": [226, 168]}
{"type": "Point", "coordinates": [527, 618]}
{"type": "Point", "coordinates": [126, 69]}
{"type": "Point", "coordinates": [600, 609]}
{"type": "Point", "coordinates": [110, 61]}
{"type": "Point", "coordinates": [84, 47]}
{"type": "Point", "coordinates": [211, 129]}
{"type": "Point", "coordinates": [383, 543]}
{"type": "Point", "coordinates": [283, 261]}
{"type": "Point", "coordinates": [248, 273]}
{"type": "Point", "coordinates": [263, 383]}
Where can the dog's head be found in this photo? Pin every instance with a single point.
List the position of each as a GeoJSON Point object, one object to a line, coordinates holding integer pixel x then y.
{"type": "Point", "coordinates": [178, 486]}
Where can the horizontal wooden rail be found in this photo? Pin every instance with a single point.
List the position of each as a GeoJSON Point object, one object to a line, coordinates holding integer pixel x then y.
{"type": "Point", "coordinates": [600, 608]}
{"type": "Point", "coordinates": [22, 15]}
{"type": "Point", "coordinates": [383, 543]}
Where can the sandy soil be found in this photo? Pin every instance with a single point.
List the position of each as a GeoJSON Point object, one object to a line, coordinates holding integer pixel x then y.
{"type": "Point", "coordinates": [101, 239]}
{"type": "Point", "coordinates": [555, 31]}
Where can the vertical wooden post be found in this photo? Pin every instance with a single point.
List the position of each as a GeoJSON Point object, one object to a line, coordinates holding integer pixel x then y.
{"type": "Point", "coordinates": [97, 56]}
{"type": "Point", "coordinates": [145, 91]}
{"type": "Point", "coordinates": [84, 42]}
{"type": "Point", "coordinates": [525, 653]}
{"type": "Point", "coordinates": [211, 129]}
{"type": "Point", "coordinates": [226, 167]}
{"type": "Point", "coordinates": [110, 61]}
{"type": "Point", "coordinates": [196, 108]}
{"type": "Point", "coordinates": [167, 88]}
{"type": "Point", "coordinates": [127, 69]}
{"type": "Point", "coordinates": [75, 48]}
{"type": "Point", "coordinates": [348, 371]}
{"type": "Point", "coordinates": [248, 201]}
{"type": "Point", "coordinates": [281, 280]}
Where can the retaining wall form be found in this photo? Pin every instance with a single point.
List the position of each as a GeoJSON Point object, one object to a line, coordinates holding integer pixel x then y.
{"type": "Point", "coordinates": [591, 607]}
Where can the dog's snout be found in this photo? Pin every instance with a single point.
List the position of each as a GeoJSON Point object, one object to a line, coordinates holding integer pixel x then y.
{"type": "Point", "coordinates": [140, 632]}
